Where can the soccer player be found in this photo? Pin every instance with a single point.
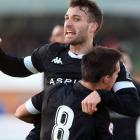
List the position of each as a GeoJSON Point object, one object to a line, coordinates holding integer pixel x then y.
{"type": "Point", "coordinates": [57, 34]}
{"type": "Point", "coordinates": [60, 105]}
{"type": "Point", "coordinates": [61, 62]}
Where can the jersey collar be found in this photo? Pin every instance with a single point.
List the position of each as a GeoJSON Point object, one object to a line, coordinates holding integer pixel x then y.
{"type": "Point", "coordinates": [74, 55]}
{"type": "Point", "coordinates": [80, 55]}
{"type": "Point", "coordinates": [79, 87]}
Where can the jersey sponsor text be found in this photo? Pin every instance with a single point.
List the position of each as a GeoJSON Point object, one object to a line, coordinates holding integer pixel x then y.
{"type": "Point", "coordinates": [64, 81]}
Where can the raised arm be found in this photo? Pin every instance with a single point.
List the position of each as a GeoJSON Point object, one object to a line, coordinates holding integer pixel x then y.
{"type": "Point", "coordinates": [13, 66]}
{"type": "Point", "coordinates": [22, 67]}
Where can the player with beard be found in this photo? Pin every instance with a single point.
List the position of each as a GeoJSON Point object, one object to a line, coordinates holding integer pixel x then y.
{"type": "Point", "coordinates": [60, 105]}
{"type": "Point", "coordinates": [62, 62]}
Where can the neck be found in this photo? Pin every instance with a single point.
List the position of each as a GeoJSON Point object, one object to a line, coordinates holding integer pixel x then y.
{"type": "Point", "coordinates": [91, 86]}
{"type": "Point", "coordinates": [81, 48]}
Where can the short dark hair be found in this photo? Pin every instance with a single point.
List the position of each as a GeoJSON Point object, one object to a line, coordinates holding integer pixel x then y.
{"type": "Point", "coordinates": [98, 62]}
{"type": "Point", "coordinates": [95, 12]}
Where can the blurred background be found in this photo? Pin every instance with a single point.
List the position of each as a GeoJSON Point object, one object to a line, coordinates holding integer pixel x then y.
{"type": "Point", "coordinates": [27, 24]}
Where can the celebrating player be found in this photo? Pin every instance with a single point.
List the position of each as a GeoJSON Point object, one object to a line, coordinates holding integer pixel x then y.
{"type": "Point", "coordinates": [60, 105]}
{"type": "Point", "coordinates": [62, 62]}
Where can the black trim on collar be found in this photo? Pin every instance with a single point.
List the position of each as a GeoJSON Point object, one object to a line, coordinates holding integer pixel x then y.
{"type": "Point", "coordinates": [79, 87]}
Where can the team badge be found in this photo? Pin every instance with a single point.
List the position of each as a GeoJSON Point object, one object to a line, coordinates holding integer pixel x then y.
{"type": "Point", "coordinates": [111, 128]}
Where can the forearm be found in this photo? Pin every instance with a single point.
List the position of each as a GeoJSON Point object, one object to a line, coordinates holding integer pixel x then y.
{"type": "Point", "coordinates": [29, 119]}
{"type": "Point", "coordinates": [23, 114]}
{"type": "Point", "coordinates": [12, 66]}
{"type": "Point", "coordinates": [124, 102]}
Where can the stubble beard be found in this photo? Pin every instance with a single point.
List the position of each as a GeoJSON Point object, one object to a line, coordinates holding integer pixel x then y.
{"type": "Point", "coordinates": [81, 38]}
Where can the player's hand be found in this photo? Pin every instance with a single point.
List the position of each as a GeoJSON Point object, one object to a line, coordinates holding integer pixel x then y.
{"type": "Point", "coordinates": [90, 102]}
{"type": "Point", "coordinates": [0, 41]}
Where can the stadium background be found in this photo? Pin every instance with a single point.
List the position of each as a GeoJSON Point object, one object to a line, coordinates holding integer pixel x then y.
{"type": "Point", "coordinates": [27, 24]}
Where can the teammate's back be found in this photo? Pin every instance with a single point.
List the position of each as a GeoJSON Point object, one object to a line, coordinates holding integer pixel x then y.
{"type": "Point", "coordinates": [62, 116]}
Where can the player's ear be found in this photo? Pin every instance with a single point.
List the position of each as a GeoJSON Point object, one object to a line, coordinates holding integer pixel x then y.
{"type": "Point", "coordinates": [106, 78]}
{"type": "Point", "coordinates": [93, 27]}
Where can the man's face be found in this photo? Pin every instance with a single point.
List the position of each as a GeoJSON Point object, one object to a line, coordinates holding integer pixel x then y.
{"type": "Point", "coordinates": [76, 26]}
{"type": "Point", "coordinates": [113, 78]}
{"type": "Point", "coordinates": [57, 34]}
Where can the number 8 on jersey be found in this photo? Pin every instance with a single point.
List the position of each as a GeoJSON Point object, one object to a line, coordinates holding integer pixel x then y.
{"type": "Point", "coordinates": [63, 121]}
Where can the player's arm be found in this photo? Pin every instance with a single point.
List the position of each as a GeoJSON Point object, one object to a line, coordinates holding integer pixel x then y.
{"type": "Point", "coordinates": [27, 111]}
{"type": "Point", "coordinates": [23, 114]}
{"type": "Point", "coordinates": [13, 66]}
{"type": "Point", "coordinates": [22, 67]}
{"type": "Point", "coordinates": [124, 101]}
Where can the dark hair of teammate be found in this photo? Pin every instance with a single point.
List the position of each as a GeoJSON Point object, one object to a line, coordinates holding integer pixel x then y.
{"type": "Point", "coordinates": [100, 61]}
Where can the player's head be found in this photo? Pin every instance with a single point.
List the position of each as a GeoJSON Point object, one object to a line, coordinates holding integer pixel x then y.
{"type": "Point", "coordinates": [126, 57]}
{"type": "Point", "coordinates": [101, 66]}
{"type": "Point", "coordinates": [82, 20]}
{"type": "Point", "coordinates": [138, 129]}
{"type": "Point", "coordinates": [57, 34]}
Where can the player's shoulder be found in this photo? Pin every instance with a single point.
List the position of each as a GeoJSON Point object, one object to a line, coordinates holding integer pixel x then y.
{"type": "Point", "coordinates": [124, 74]}
{"type": "Point", "coordinates": [57, 91]}
{"type": "Point", "coordinates": [49, 49]}
{"type": "Point", "coordinates": [58, 87]}
{"type": "Point", "coordinates": [57, 46]}
{"type": "Point", "coordinates": [121, 64]}
{"type": "Point", "coordinates": [52, 47]}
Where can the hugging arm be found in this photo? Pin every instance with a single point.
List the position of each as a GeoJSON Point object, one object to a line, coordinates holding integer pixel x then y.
{"type": "Point", "coordinates": [27, 111]}
{"type": "Point", "coordinates": [124, 98]}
